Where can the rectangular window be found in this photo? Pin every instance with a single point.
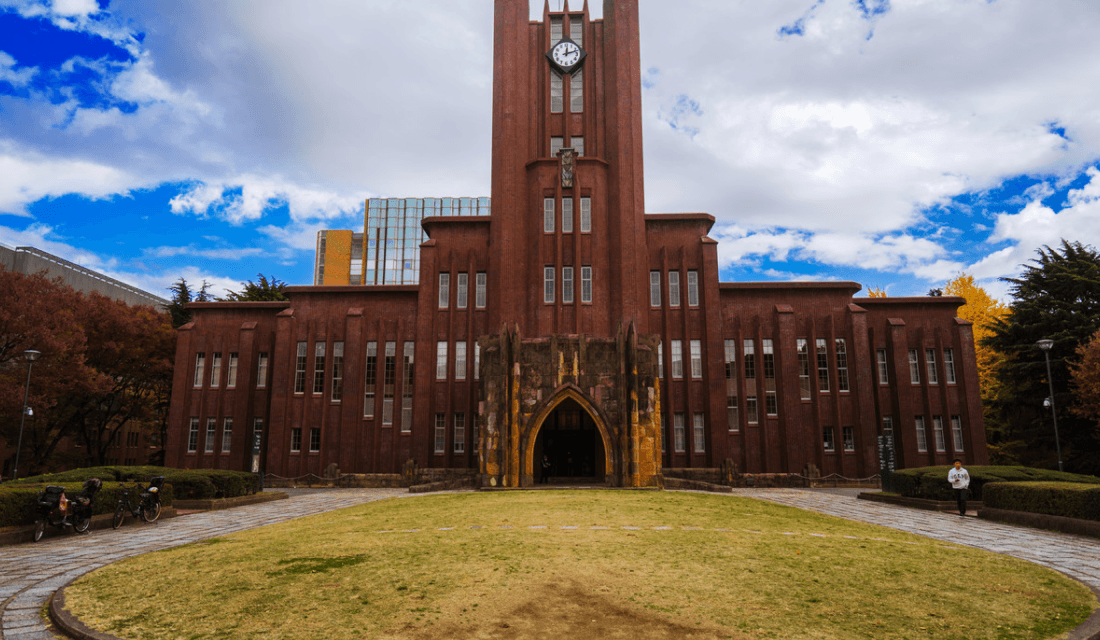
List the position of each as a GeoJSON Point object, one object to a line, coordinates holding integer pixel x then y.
{"type": "Point", "coordinates": [389, 382]}
{"type": "Point", "coordinates": [567, 215]}
{"type": "Point", "coordinates": [557, 92]}
{"type": "Point", "coordinates": [480, 286]}
{"type": "Point", "coordinates": [548, 215]}
{"type": "Point", "coordinates": [654, 288]}
{"type": "Point", "coordinates": [586, 285]}
{"type": "Point", "coordinates": [300, 369]}
{"type": "Point", "coordinates": [678, 436]}
{"type": "Point", "coordinates": [231, 372]}
{"type": "Point", "coordinates": [849, 435]}
{"type": "Point", "coordinates": [440, 433]}
{"type": "Point", "coordinates": [193, 436]}
{"type": "Point", "coordinates": [830, 443]}
{"type": "Point", "coordinates": [460, 433]}
{"type": "Point", "coordinates": [577, 143]}
{"type": "Point", "coordinates": [211, 431]}
{"type": "Point", "coordinates": [883, 368]}
{"type": "Point", "coordinates": [803, 368]}
{"type": "Point", "coordinates": [696, 347]}
{"type": "Point", "coordinates": [462, 282]}
{"type": "Point", "coordinates": [261, 370]}
{"type": "Point", "coordinates": [337, 371]}
{"type": "Point", "coordinates": [752, 414]}
{"type": "Point", "coordinates": [732, 419]}
{"type": "Point", "coordinates": [319, 367]}
{"type": "Point", "coordinates": [586, 215]}
{"type": "Point", "coordinates": [674, 288]}
{"type": "Point", "coordinates": [227, 434]}
{"type": "Point", "coordinates": [677, 360]}
{"type": "Point", "coordinates": [556, 143]}
{"type": "Point", "coordinates": [930, 366]}
{"type": "Point", "coordinates": [441, 360]}
{"type": "Point", "coordinates": [822, 365]}
{"type": "Point", "coordinates": [700, 433]}
{"type": "Point", "coordinates": [841, 364]}
{"type": "Point", "coordinates": [257, 430]}
{"type": "Point", "coordinates": [215, 370]}
{"type": "Point", "coordinates": [370, 379]}
{"type": "Point", "coordinates": [750, 363]}
{"type": "Point", "coordinates": [460, 360]}
{"type": "Point", "coordinates": [914, 367]}
{"type": "Point", "coordinates": [567, 285]}
{"type": "Point", "coordinates": [200, 365]}
{"type": "Point", "coordinates": [922, 438]}
{"type": "Point", "coordinates": [949, 365]}
{"type": "Point", "coordinates": [693, 288]}
{"type": "Point", "coordinates": [957, 433]}
{"type": "Point", "coordinates": [444, 290]}
{"type": "Point", "coordinates": [548, 285]}
{"type": "Point", "coordinates": [296, 439]}
{"type": "Point", "coordinates": [314, 440]}
{"type": "Point", "coordinates": [661, 360]}
{"type": "Point", "coordinates": [407, 387]}
{"type": "Point", "coordinates": [556, 30]}
{"type": "Point", "coordinates": [937, 431]}
{"type": "Point", "coordinates": [477, 360]}
{"type": "Point", "coordinates": [576, 92]}
{"type": "Point", "coordinates": [771, 403]}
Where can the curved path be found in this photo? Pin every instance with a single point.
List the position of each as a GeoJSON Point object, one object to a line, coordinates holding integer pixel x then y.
{"type": "Point", "coordinates": [31, 573]}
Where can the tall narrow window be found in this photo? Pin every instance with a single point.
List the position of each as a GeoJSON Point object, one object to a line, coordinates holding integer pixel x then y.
{"type": "Point", "coordinates": [914, 367]}
{"type": "Point", "coordinates": [696, 347]}
{"type": "Point", "coordinates": [677, 360]}
{"type": "Point", "coordinates": [678, 432]}
{"type": "Point", "coordinates": [227, 435]}
{"type": "Point", "coordinates": [803, 368]}
{"type": "Point", "coordinates": [477, 360]}
{"type": "Point", "coordinates": [849, 438]}
{"type": "Point", "coordinates": [460, 360]}
{"type": "Point", "coordinates": [556, 143]}
{"type": "Point", "coordinates": [949, 365]}
{"type": "Point", "coordinates": [830, 443]}
{"type": "Point", "coordinates": [389, 382]}
{"type": "Point", "coordinates": [557, 92]}
{"type": "Point", "coordinates": [700, 433]}
{"type": "Point", "coordinates": [883, 368]}
{"type": "Point", "coordinates": [661, 360]}
{"type": "Point", "coordinates": [300, 368]}
{"type": "Point", "coordinates": [261, 370]}
{"type": "Point", "coordinates": [922, 437]}
{"type": "Point", "coordinates": [481, 282]}
{"type": "Point", "coordinates": [771, 404]}
{"type": "Point", "coordinates": [407, 387]}
{"type": "Point", "coordinates": [548, 285]}
{"type": "Point", "coordinates": [752, 411]}
{"type": "Point", "coordinates": [937, 431]}
{"type": "Point", "coordinates": [822, 365]}
{"type": "Point", "coordinates": [314, 440]}
{"type": "Point", "coordinates": [370, 379]}
{"type": "Point", "coordinates": [957, 433]}
{"type": "Point", "coordinates": [295, 439]}
{"type": "Point", "coordinates": [567, 285]}
{"type": "Point", "coordinates": [577, 143]}
{"type": "Point", "coordinates": [732, 419]}
{"type": "Point", "coordinates": [750, 363]}
{"type": "Point", "coordinates": [440, 433]}
{"type": "Point", "coordinates": [460, 433]}
{"type": "Point", "coordinates": [567, 215]}
{"type": "Point", "coordinates": [930, 366]}
{"type": "Point", "coordinates": [200, 365]}
{"type": "Point", "coordinates": [586, 285]}
{"type": "Point", "coordinates": [257, 432]}
{"type": "Point", "coordinates": [193, 436]}
{"type": "Point", "coordinates": [841, 365]}
{"type": "Point", "coordinates": [548, 215]}
{"type": "Point", "coordinates": [693, 288]}
{"type": "Point", "coordinates": [337, 391]}
{"type": "Point", "coordinates": [211, 431]}
{"type": "Point", "coordinates": [441, 360]}
{"type": "Point", "coordinates": [576, 92]}
{"type": "Point", "coordinates": [586, 215]}
{"type": "Point", "coordinates": [215, 370]}
{"type": "Point", "coordinates": [319, 367]}
{"type": "Point", "coordinates": [462, 282]}
{"type": "Point", "coordinates": [444, 290]}
{"type": "Point", "coordinates": [673, 288]}
{"type": "Point", "coordinates": [231, 372]}
{"type": "Point", "coordinates": [654, 288]}
{"type": "Point", "coordinates": [576, 29]}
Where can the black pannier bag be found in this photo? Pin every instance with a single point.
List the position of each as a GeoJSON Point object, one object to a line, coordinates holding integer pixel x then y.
{"type": "Point", "coordinates": [51, 497]}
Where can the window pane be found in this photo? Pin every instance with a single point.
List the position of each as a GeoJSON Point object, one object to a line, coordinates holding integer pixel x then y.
{"type": "Point", "coordinates": [883, 368]}
{"type": "Point", "coordinates": [200, 365]}
{"type": "Point", "coordinates": [586, 284]}
{"type": "Point", "coordinates": [576, 92]}
{"type": "Point", "coordinates": [696, 359]}
{"type": "Point", "coordinates": [548, 215]}
{"type": "Point", "coordinates": [231, 372]}
{"type": "Point", "coordinates": [654, 288]}
{"type": "Point", "coordinates": [370, 379]}
{"type": "Point", "coordinates": [914, 367]}
{"type": "Point", "coordinates": [215, 370]}
{"type": "Point", "coordinates": [930, 366]}
{"type": "Point", "coordinates": [444, 290]}
{"type": "Point", "coordinates": [700, 433]}
{"type": "Point", "coordinates": [300, 369]}
{"type": "Point", "coordinates": [693, 288]}
{"type": "Point", "coordinates": [557, 92]}
{"type": "Point", "coordinates": [586, 215]}
{"type": "Point", "coordinates": [674, 288]}
{"type": "Point", "coordinates": [261, 370]}
{"type": "Point", "coordinates": [677, 360]}
{"type": "Point", "coordinates": [841, 365]}
{"type": "Point", "coordinates": [460, 360]}
{"type": "Point", "coordinates": [949, 365]}
{"type": "Point", "coordinates": [548, 285]}
{"type": "Point", "coordinates": [567, 215]}
{"type": "Point", "coordinates": [337, 371]}
{"type": "Point", "coordinates": [803, 368]}
{"type": "Point", "coordinates": [319, 367]}
{"type": "Point", "coordinates": [441, 360]}
{"type": "Point", "coordinates": [479, 295]}
{"type": "Point", "coordinates": [567, 285]}
{"type": "Point", "coordinates": [678, 432]}
{"type": "Point", "coordinates": [460, 295]}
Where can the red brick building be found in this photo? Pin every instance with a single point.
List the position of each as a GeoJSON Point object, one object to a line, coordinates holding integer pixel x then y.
{"type": "Point", "coordinates": [572, 325]}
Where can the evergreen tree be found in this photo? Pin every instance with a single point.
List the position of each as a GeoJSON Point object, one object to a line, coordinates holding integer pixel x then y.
{"type": "Point", "coordinates": [271, 290]}
{"type": "Point", "coordinates": [181, 297]}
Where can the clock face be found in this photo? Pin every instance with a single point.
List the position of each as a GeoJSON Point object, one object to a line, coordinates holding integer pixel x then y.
{"type": "Point", "coordinates": [566, 53]}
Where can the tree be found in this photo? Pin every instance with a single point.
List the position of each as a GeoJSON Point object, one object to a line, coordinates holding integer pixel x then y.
{"type": "Point", "coordinates": [263, 290]}
{"type": "Point", "coordinates": [1057, 297]}
{"type": "Point", "coordinates": [1085, 375]}
{"type": "Point", "coordinates": [875, 292]}
{"type": "Point", "coordinates": [181, 297]}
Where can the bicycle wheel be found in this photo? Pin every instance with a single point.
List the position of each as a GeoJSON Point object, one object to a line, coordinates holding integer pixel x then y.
{"type": "Point", "coordinates": [150, 511]}
{"type": "Point", "coordinates": [39, 530]}
{"type": "Point", "coordinates": [120, 513]}
{"type": "Point", "coordinates": [81, 524]}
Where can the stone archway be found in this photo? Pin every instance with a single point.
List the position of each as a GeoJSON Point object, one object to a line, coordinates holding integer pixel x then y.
{"type": "Point", "coordinates": [570, 431]}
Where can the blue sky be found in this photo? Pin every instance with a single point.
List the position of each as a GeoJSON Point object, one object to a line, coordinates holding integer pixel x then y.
{"type": "Point", "coordinates": [896, 144]}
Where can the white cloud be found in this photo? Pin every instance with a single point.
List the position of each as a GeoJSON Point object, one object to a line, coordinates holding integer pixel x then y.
{"type": "Point", "coordinates": [26, 176]}
{"type": "Point", "coordinates": [8, 73]}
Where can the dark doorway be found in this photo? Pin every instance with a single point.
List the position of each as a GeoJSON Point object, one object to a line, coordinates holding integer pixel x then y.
{"type": "Point", "coordinates": [572, 445]}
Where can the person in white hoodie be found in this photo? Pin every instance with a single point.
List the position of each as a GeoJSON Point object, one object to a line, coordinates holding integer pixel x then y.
{"type": "Point", "coordinates": [960, 485]}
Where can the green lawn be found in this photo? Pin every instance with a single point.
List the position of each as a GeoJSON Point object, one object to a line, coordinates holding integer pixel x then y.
{"type": "Point", "coordinates": [473, 565]}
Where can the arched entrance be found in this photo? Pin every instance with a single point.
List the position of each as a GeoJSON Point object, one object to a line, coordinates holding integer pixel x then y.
{"type": "Point", "coordinates": [573, 446]}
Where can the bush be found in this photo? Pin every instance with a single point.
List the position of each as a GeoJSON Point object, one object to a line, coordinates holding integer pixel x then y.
{"type": "Point", "coordinates": [931, 482]}
{"type": "Point", "coordinates": [1067, 499]}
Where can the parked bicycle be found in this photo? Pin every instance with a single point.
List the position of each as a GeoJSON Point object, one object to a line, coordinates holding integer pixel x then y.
{"type": "Point", "coordinates": [148, 505]}
{"type": "Point", "coordinates": [56, 510]}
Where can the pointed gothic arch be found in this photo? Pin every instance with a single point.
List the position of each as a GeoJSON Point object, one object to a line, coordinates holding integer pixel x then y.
{"type": "Point", "coordinates": [565, 393]}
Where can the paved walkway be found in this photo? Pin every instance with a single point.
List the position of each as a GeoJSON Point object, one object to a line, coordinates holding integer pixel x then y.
{"type": "Point", "coordinates": [30, 573]}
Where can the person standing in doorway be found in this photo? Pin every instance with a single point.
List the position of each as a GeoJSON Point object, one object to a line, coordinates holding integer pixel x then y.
{"type": "Point", "coordinates": [545, 479]}
{"type": "Point", "coordinates": [960, 485]}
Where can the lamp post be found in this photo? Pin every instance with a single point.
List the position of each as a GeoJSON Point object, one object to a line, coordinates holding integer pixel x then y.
{"type": "Point", "coordinates": [31, 355]}
{"type": "Point", "coordinates": [1045, 344]}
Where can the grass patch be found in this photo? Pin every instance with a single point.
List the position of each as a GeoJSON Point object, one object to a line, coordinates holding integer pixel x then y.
{"type": "Point", "coordinates": [690, 566]}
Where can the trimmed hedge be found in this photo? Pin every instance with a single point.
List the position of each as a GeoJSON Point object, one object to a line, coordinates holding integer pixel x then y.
{"type": "Point", "coordinates": [19, 503]}
{"type": "Point", "coordinates": [1067, 499]}
{"type": "Point", "coordinates": [931, 483]}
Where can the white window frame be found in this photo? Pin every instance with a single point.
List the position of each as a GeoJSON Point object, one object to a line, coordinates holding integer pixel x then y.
{"type": "Point", "coordinates": [548, 285]}
{"type": "Point", "coordinates": [586, 215]}
{"type": "Point", "coordinates": [673, 288]}
{"type": "Point", "coordinates": [444, 290]}
{"type": "Point", "coordinates": [462, 283]}
{"type": "Point", "coordinates": [586, 285]}
{"type": "Point", "coordinates": [481, 280]}
{"type": "Point", "coordinates": [567, 215]}
{"type": "Point", "coordinates": [693, 288]}
{"type": "Point", "coordinates": [677, 360]}
{"type": "Point", "coordinates": [696, 348]}
{"type": "Point", "coordinates": [441, 360]}
{"type": "Point", "coordinates": [549, 212]}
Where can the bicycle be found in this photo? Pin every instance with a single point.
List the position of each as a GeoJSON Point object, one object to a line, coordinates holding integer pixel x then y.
{"type": "Point", "coordinates": [55, 510]}
{"type": "Point", "coordinates": [148, 506]}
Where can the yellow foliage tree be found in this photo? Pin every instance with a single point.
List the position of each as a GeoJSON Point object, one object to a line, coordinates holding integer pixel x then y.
{"type": "Point", "coordinates": [875, 292]}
